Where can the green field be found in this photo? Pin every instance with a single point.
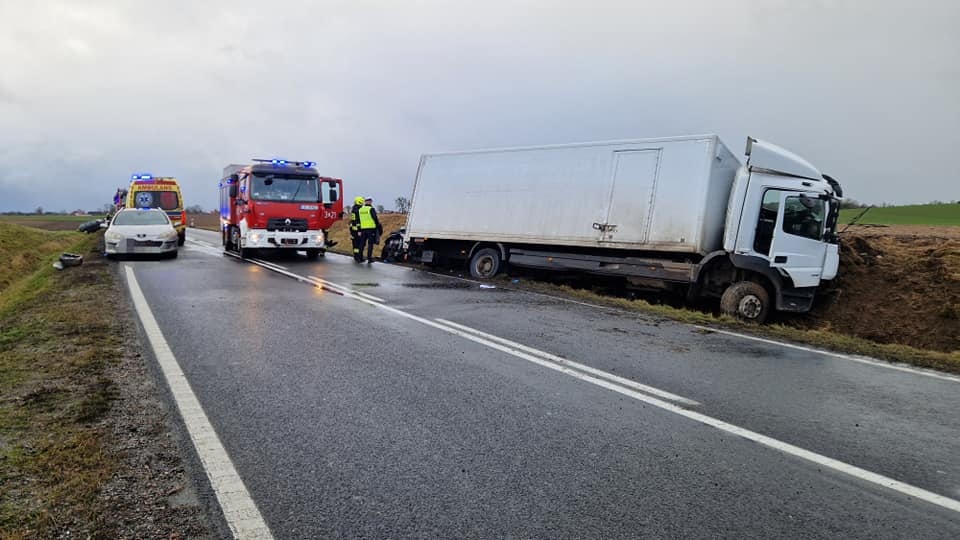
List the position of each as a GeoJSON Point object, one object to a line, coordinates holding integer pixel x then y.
{"type": "Point", "coordinates": [49, 217]}
{"type": "Point", "coordinates": [917, 214]}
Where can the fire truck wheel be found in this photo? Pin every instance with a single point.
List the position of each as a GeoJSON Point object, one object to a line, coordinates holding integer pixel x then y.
{"type": "Point", "coordinates": [313, 254]}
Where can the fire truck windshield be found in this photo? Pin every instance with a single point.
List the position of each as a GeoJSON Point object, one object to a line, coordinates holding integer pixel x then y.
{"type": "Point", "coordinates": [284, 188]}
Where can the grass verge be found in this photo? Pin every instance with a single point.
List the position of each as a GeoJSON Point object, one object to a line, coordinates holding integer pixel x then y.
{"type": "Point", "coordinates": [55, 344]}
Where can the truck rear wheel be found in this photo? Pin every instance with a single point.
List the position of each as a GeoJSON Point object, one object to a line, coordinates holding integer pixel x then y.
{"type": "Point", "coordinates": [485, 263]}
{"type": "Point", "coordinates": [746, 300]}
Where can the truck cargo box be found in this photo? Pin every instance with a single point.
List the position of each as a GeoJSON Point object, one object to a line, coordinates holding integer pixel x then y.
{"type": "Point", "coordinates": [667, 194]}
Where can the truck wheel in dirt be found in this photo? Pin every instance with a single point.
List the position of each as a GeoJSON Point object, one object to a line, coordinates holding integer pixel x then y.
{"type": "Point", "coordinates": [485, 263]}
{"type": "Point", "coordinates": [746, 300]}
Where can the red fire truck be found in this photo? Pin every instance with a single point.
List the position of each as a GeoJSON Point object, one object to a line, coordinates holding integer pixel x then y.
{"type": "Point", "coordinates": [277, 204]}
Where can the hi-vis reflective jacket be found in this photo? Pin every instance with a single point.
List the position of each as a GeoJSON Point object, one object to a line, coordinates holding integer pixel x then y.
{"type": "Point", "coordinates": [366, 216]}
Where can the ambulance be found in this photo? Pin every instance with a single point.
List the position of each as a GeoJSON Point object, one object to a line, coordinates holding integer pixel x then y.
{"type": "Point", "coordinates": [163, 192]}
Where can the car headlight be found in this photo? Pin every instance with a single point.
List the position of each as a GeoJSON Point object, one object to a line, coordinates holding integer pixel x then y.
{"type": "Point", "coordinates": [114, 236]}
{"type": "Point", "coordinates": [169, 235]}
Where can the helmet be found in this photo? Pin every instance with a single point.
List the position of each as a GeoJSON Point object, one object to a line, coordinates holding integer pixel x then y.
{"type": "Point", "coordinates": [358, 200]}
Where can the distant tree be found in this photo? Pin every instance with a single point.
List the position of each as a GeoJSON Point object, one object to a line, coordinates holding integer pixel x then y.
{"type": "Point", "coordinates": [194, 209]}
{"type": "Point", "coordinates": [39, 210]}
{"type": "Point", "coordinates": [380, 208]}
{"type": "Point", "coordinates": [106, 208]}
{"type": "Point", "coordinates": [850, 203]}
{"type": "Point", "coordinates": [403, 205]}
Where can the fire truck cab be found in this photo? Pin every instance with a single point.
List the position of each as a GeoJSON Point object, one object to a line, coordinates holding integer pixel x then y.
{"type": "Point", "coordinates": [277, 204]}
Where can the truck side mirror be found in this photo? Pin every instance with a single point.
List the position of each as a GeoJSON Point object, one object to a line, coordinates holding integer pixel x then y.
{"type": "Point", "coordinates": [233, 191]}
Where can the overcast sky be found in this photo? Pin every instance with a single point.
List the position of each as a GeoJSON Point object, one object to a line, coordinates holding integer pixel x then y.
{"type": "Point", "coordinates": [92, 91]}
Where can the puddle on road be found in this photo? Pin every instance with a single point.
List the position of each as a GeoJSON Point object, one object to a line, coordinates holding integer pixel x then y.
{"type": "Point", "coordinates": [451, 285]}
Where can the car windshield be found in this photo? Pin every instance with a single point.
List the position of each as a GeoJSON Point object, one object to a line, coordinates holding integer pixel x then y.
{"type": "Point", "coordinates": [141, 217]}
{"type": "Point", "coordinates": [284, 188]}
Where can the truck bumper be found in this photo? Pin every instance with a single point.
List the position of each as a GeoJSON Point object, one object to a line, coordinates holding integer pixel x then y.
{"type": "Point", "coordinates": [263, 239]}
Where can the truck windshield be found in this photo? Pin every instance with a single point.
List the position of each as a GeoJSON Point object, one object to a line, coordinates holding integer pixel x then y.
{"type": "Point", "coordinates": [284, 188]}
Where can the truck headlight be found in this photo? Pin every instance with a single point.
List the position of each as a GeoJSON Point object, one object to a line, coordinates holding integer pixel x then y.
{"type": "Point", "coordinates": [254, 237]}
{"type": "Point", "coordinates": [318, 239]}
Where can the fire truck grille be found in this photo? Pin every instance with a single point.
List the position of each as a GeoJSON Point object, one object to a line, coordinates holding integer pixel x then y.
{"type": "Point", "coordinates": [287, 225]}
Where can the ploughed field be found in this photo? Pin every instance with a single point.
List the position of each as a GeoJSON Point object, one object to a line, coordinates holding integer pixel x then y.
{"type": "Point", "coordinates": [897, 284]}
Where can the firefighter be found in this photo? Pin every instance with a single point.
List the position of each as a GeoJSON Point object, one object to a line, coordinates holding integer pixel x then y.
{"type": "Point", "coordinates": [355, 228]}
{"type": "Point", "coordinates": [370, 228]}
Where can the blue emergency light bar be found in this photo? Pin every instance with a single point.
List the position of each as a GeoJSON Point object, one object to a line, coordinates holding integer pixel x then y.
{"type": "Point", "coordinates": [285, 162]}
{"type": "Point", "coordinates": [142, 177]}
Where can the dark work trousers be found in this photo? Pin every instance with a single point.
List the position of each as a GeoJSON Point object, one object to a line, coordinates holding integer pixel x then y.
{"type": "Point", "coordinates": [355, 239]}
{"type": "Point", "coordinates": [368, 238]}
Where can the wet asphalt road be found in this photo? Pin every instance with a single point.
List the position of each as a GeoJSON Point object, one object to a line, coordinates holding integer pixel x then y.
{"type": "Point", "coordinates": [345, 420]}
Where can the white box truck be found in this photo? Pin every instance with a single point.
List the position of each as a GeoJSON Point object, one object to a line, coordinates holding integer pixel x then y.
{"type": "Point", "coordinates": [670, 213]}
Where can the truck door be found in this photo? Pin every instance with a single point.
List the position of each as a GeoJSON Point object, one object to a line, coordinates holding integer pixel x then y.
{"type": "Point", "coordinates": [631, 195]}
{"type": "Point", "coordinates": [797, 246]}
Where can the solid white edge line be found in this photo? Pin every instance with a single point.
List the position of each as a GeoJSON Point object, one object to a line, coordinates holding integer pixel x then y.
{"type": "Point", "coordinates": [575, 365]}
{"type": "Point", "coordinates": [862, 360]}
{"type": "Point", "coordinates": [239, 509]}
{"type": "Point", "coordinates": [796, 451]}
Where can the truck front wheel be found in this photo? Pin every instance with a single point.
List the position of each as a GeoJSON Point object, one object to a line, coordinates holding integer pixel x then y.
{"type": "Point", "coordinates": [313, 254]}
{"type": "Point", "coordinates": [485, 263]}
{"type": "Point", "coordinates": [746, 300]}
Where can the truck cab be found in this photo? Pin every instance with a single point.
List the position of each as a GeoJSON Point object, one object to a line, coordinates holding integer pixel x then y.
{"type": "Point", "coordinates": [781, 223]}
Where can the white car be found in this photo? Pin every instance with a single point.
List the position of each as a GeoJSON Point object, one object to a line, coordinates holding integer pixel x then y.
{"type": "Point", "coordinates": [135, 231]}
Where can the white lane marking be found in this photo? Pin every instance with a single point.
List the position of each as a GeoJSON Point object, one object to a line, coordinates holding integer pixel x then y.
{"type": "Point", "coordinates": [860, 359]}
{"type": "Point", "coordinates": [271, 263]}
{"type": "Point", "coordinates": [239, 510]}
{"type": "Point", "coordinates": [574, 365]}
{"type": "Point", "coordinates": [787, 448]}
{"type": "Point", "coordinates": [347, 289]}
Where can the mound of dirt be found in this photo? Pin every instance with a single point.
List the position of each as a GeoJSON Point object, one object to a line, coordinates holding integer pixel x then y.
{"type": "Point", "coordinates": [897, 284]}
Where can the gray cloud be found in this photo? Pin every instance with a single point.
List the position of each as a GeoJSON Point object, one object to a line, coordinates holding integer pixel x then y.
{"type": "Point", "coordinates": [866, 91]}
